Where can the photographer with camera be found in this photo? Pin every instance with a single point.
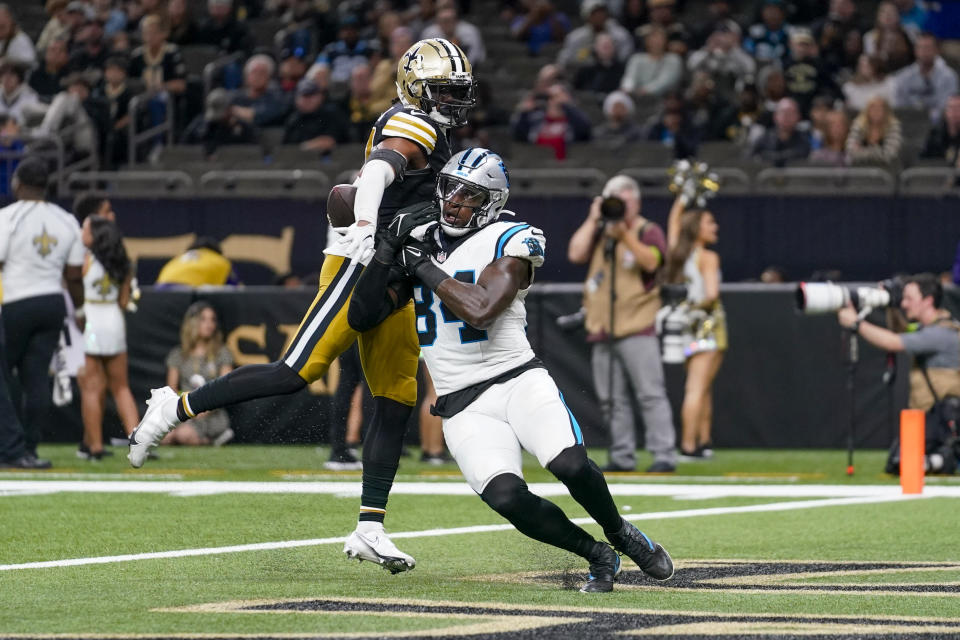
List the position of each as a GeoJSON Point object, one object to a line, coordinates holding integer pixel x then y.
{"type": "Point", "coordinates": [934, 344]}
{"type": "Point", "coordinates": [621, 299]}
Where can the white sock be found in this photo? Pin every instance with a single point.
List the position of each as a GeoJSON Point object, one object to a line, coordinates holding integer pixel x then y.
{"type": "Point", "coordinates": [168, 411]}
{"type": "Point", "coordinates": [369, 526]}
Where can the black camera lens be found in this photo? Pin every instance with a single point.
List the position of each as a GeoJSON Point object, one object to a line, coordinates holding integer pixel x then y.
{"type": "Point", "coordinates": [612, 208]}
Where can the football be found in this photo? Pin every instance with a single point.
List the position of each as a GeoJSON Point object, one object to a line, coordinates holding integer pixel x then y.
{"type": "Point", "coordinates": [340, 205]}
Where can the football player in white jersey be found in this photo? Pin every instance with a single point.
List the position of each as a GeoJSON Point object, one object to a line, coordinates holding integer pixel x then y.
{"type": "Point", "coordinates": [471, 274]}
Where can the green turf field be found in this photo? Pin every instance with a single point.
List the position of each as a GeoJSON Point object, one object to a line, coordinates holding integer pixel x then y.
{"type": "Point", "coordinates": [766, 544]}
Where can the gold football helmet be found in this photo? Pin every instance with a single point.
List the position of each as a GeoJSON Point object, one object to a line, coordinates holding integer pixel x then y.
{"type": "Point", "coordinates": [435, 77]}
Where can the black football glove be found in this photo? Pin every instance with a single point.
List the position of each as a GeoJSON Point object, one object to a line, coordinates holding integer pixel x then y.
{"type": "Point", "coordinates": [408, 219]}
{"type": "Point", "coordinates": [390, 238]}
{"type": "Point", "coordinates": [415, 254]}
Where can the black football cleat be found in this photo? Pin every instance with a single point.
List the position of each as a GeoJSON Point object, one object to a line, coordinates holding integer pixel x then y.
{"type": "Point", "coordinates": [604, 568]}
{"type": "Point", "coordinates": [652, 558]}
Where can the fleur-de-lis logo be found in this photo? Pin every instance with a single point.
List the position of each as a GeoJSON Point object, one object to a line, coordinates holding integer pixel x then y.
{"type": "Point", "coordinates": [44, 243]}
{"type": "Point", "coordinates": [103, 286]}
{"type": "Point", "coordinates": [410, 58]}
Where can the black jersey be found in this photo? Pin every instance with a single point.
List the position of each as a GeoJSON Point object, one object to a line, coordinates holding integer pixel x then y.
{"type": "Point", "coordinates": [400, 121]}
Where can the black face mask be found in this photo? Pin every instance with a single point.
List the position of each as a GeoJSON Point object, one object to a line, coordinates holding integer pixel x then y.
{"type": "Point", "coordinates": [453, 100]}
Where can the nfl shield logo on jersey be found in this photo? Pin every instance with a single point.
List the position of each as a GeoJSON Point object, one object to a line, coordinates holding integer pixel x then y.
{"type": "Point", "coordinates": [441, 256]}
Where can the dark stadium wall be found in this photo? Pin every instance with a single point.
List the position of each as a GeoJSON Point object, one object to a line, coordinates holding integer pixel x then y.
{"type": "Point", "coordinates": [783, 383]}
{"type": "Point", "coordinates": [866, 238]}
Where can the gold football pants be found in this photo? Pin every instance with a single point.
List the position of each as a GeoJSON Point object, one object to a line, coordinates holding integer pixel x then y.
{"type": "Point", "coordinates": [389, 352]}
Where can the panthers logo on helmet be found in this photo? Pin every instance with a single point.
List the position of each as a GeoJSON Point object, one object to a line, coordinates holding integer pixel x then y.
{"type": "Point", "coordinates": [435, 77]}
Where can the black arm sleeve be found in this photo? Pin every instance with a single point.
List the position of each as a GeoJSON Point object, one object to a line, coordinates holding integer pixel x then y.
{"type": "Point", "coordinates": [372, 300]}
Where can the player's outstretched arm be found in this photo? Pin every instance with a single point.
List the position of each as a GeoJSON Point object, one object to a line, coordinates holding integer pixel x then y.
{"type": "Point", "coordinates": [384, 286]}
{"type": "Point", "coordinates": [476, 304]}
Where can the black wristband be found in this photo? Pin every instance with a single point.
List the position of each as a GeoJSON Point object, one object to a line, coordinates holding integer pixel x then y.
{"type": "Point", "coordinates": [430, 275]}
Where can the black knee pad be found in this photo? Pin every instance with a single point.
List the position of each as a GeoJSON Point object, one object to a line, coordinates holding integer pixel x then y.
{"type": "Point", "coordinates": [506, 494]}
{"type": "Point", "coordinates": [571, 463]}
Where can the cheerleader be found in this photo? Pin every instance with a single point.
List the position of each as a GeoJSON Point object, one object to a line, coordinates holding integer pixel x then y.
{"type": "Point", "coordinates": [107, 275]}
{"type": "Point", "coordinates": [690, 262]}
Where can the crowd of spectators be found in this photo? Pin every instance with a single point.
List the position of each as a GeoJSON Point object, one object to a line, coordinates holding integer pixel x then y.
{"type": "Point", "coordinates": [779, 79]}
{"type": "Point", "coordinates": [832, 82]}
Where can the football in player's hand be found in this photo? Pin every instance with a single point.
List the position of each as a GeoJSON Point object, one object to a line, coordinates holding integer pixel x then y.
{"type": "Point", "coordinates": [340, 205]}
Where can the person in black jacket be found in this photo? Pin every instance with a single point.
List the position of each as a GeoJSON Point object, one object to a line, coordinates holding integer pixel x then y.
{"type": "Point", "coordinates": [943, 141]}
{"type": "Point", "coordinates": [315, 123]}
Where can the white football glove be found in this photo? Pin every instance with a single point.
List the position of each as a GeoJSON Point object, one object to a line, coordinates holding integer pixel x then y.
{"type": "Point", "coordinates": [357, 242]}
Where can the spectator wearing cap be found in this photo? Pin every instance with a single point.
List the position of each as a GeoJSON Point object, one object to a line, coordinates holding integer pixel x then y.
{"type": "Point", "coordinates": [806, 75]}
{"type": "Point", "coordinates": [15, 45]}
{"type": "Point", "coordinates": [783, 143]}
{"type": "Point", "coordinates": [361, 108]}
{"type": "Point", "coordinates": [221, 29]}
{"type": "Point", "coordinates": [618, 128]}
{"type": "Point", "coordinates": [293, 67]}
{"type": "Point", "coordinates": [579, 43]}
{"type": "Point", "coordinates": [76, 115]}
{"type": "Point", "coordinates": [260, 103]}
{"type": "Point", "coordinates": [182, 27]}
{"type": "Point", "coordinates": [40, 246]}
{"type": "Point", "coordinates": [92, 52]}
{"type": "Point", "coordinates": [832, 32]}
{"type": "Point", "coordinates": [315, 124]}
{"type": "Point", "coordinates": [218, 126]}
{"type": "Point", "coordinates": [551, 119]}
{"type": "Point", "coordinates": [45, 79]}
{"type": "Point", "coordinates": [57, 25]}
{"type": "Point", "coordinates": [928, 82]}
{"type": "Point", "coordinates": [662, 15]}
{"type": "Point", "coordinates": [16, 97]}
{"type": "Point", "coordinates": [383, 83]}
{"type": "Point", "coordinates": [117, 95]}
{"type": "Point", "coordinates": [604, 72]}
{"type": "Point", "coordinates": [448, 25]}
{"type": "Point", "coordinates": [542, 23]}
{"type": "Point", "coordinates": [943, 141]}
{"type": "Point", "coordinates": [347, 52]}
{"type": "Point", "coordinates": [655, 71]}
{"type": "Point", "coordinates": [767, 41]}
{"type": "Point", "coordinates": [723, 59]}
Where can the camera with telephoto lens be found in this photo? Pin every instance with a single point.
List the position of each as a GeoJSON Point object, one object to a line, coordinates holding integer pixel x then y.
{"type": "Point", "coordinates": [673, 323]}
{"type": "Point", "coordinates": [612, 209]}
{"type": "Point", "coordinates": [814, 298]}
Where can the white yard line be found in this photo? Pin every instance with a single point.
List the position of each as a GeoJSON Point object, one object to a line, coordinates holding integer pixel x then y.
{"type": "Point", "coordinates": [287, 544]}
{"type": "Point", "coordinates": [460, 488]}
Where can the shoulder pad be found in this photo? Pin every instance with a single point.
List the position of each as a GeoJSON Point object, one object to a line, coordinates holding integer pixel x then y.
{"type": "Point", "coordinates": [404, 124]}
{"type": "Point", "coordinates": [523, 241]}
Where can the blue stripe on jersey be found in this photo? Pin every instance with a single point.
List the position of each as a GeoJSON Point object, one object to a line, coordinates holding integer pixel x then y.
{"type": "Point", "coordinates": [577, 434]}
{"type": "Point", "coordinates": [505, 238]}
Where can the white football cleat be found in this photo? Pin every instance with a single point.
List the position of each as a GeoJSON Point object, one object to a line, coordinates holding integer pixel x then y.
{"type": "Point", "coordinates": [153, 427]}
{"type": "Point", "coordinates": [376, 546]}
